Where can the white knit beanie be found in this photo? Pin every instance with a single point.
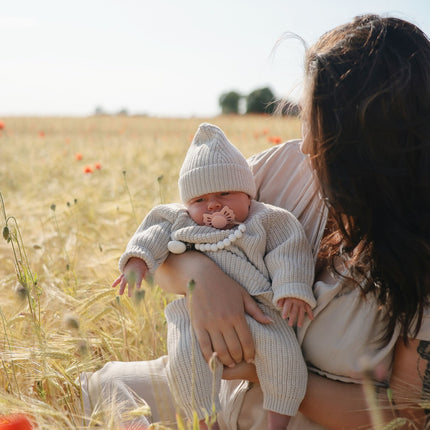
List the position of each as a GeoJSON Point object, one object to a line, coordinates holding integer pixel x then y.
{"type": "Point", "coordinates": [213, 165]}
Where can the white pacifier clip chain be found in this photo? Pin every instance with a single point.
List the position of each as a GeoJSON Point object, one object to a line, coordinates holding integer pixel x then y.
{"type": "Point", "coordinates": [178, 247]}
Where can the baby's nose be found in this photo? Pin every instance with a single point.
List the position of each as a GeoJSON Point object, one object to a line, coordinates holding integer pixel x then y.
{"type": "Point", "coordinates": [213, 204]}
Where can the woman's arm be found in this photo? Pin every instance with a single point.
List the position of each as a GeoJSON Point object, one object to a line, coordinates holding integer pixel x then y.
{"type": "Point", "coordinates": [218, 306]}
{"type": "Point", "coordinates": [334, 405]}
{"type": "Point", "coordinates": [410, 380]}
{"type": "Point", "coordinates": [338, 405]}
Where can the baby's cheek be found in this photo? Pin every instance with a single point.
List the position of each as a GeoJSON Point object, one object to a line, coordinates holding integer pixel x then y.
{"type": "Point", "coordinates": [196, 217]}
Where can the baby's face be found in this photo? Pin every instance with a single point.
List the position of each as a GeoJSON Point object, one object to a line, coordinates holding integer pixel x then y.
{"type": "Point", "coordinates": [210, 203]}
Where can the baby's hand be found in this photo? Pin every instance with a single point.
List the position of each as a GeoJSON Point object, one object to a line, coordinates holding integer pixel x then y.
{"type": "Point", "coordinates": [295, 310]}
{"type": "Point", "coordinates": [134, 272]}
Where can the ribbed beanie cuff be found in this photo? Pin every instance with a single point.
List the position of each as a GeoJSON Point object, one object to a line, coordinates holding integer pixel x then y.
{"type": "Point", "coordinates": [212, 165]}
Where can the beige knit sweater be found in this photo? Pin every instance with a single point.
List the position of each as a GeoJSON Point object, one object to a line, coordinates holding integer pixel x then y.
{"type": "Point", "coordinates": [272, 255]}
{"type": "Point", "coordinates": [272, 259]}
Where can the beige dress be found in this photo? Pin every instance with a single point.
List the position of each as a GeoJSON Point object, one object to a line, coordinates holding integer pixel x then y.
{"type": "Point", "coordinates": [346, 327]}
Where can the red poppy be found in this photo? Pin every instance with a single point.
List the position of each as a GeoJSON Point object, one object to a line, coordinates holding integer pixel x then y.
{"type": "Point", "coordinates": [78, 156]}
{"type": "Point", "coordinates": [88, 169]}
{"type": "Point", "coordinates": [274, 139]}
{"type": "Point", "coordinates": [98, 166]}
{"type": "Point", "coordinates": [265, 131]}
{"type": "Point", "coordinates": [2, 125]}
{"type": "Point", "coordinates": [15, 422]}
{"type": "Point", "coordinates": [41, 134]}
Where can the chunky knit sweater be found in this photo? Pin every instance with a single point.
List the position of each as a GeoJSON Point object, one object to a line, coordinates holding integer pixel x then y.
{"type": "Point", "coordinates": [271, 260]}
{"type": "Point", "coordinates": [273, 255]}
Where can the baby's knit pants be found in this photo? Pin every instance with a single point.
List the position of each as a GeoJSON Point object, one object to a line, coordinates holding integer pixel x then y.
{"type": "Point", "coordinates": [280, 366]}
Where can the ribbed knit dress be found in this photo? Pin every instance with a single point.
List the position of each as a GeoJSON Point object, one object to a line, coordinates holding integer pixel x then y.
{"type": "Point", "coordinates": [272, 260]}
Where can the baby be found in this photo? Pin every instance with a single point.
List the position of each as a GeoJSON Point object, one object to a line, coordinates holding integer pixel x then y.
{"type": "Point", "coordinates": [262, 247]}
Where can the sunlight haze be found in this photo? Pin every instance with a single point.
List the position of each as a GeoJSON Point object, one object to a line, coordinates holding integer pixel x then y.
{"type": "Point", "coordinates": [162, 58]}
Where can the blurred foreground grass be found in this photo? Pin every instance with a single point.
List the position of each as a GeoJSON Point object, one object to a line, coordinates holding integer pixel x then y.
{"type": "Point", "coordinates": [78, 188]}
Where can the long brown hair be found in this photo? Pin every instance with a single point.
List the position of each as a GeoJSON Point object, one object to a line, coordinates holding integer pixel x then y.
{"type": "Point", "coordinates": [367, 108]}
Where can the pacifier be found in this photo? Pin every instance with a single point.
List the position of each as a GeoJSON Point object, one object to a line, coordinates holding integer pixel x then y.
{"type": "Point", "coordinates": [219, 219]}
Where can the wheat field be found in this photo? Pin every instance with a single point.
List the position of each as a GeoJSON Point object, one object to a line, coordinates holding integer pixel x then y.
{"type": "Point", "coordinates": [73, 192]}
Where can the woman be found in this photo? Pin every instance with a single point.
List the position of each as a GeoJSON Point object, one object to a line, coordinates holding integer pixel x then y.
{"type": "Point", "coordinates": [363, 196]}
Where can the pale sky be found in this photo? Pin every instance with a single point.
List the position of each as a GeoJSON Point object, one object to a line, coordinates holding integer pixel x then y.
{"type": "Point", "coordinates": [162, 57]}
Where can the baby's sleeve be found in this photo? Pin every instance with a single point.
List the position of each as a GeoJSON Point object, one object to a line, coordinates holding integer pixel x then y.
{"type": "Point", "coordinates": [289, 260]}
{"type": "Point", "coordinates": [150, 240]}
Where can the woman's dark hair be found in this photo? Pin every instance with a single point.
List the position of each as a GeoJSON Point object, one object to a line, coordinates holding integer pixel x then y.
{"type": "Point", "coordinates": [367, 109]}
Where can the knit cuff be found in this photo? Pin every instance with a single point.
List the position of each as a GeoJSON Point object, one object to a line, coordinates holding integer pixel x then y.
{"type": "Point", "coordinates": [138, 253]}
{"type": "Point", "coordinates": [281, 404]}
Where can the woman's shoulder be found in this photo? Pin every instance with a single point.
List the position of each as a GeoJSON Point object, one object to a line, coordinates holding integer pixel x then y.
{"type": "Point", "coordinates": [279, 154]}
{"type": "Point", "coordinates": [282, 174]}
{"type": "Point", "coordinates": [284, 178]}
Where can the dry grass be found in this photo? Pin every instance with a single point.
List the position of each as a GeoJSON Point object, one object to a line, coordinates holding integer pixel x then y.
{"type": "Point", "coordinates": [60, 316]}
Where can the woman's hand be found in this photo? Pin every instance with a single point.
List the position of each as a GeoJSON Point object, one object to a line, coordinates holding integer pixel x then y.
{"type": "Point", "coordinates": [217, 306]}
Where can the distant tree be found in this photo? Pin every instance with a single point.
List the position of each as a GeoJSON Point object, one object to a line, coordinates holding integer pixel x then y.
{"type": "Point", "coordinates": [123, 112]}
{"type": "Point", "coordinates": [99, 111]}
{"type": "Point", "coordinates": [260, 101]}
{"type": "Point", "coordinates": [229, 102]}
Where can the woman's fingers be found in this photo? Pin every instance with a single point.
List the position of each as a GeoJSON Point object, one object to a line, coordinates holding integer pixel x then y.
{"type": "Point", "coordinates": [231, 339]}
{"type": "Point", "coordinates": [217, 306]}
{"type": "Point", "coordinates": [233, 343]}
{"type": "Point", "coordinates": [252, 309]}
{"type": "Point", "coordinates": [246, 342]}
{"type": "Point", "coordinates": [219, 345]}
{"type": "Point", "coordinates": [224, 331]}
{"type": "Point", "coordinates": [223, 340]}
{"type": "Point", "coordinates": [205, 343]}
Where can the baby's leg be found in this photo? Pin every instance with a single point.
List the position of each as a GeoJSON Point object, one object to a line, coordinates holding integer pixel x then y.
{"type": "Point", "coordinates": [281, 369]}
{"type": "Point", "coordinates": [194, 384]}
{"type": "Point", "coordinates": [277, 421]}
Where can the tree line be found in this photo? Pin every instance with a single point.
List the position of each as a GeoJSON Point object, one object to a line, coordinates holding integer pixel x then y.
{"type": "Point", "coordinates": [261, 100]}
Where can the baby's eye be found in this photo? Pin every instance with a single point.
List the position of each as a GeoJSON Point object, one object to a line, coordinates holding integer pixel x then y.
{"type": "Point", "coordinates": [198, 200]}
{"type": "Point", "coordinates": [226, 193]}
